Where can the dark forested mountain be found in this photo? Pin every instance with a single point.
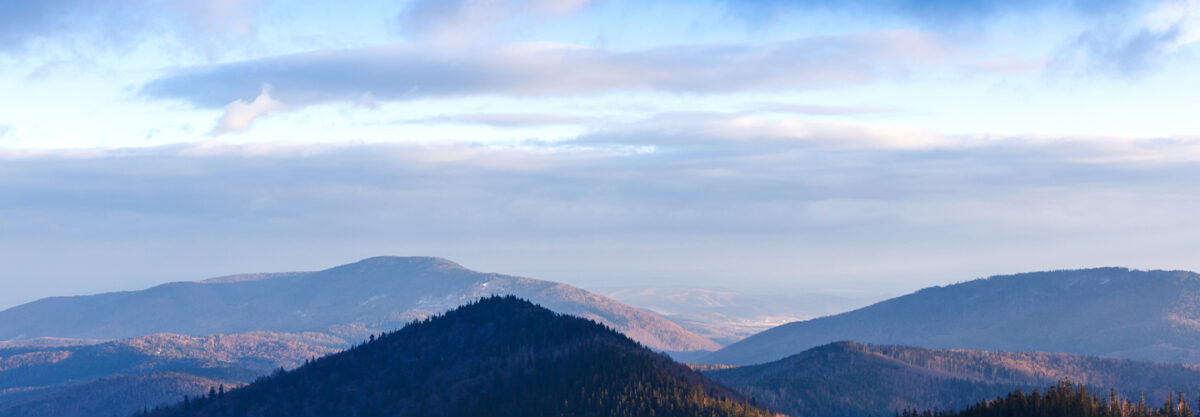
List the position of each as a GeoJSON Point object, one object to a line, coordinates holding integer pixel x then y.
{"type": "Point", "coordinates": [1150, 315]}
{"type": "Point", "coordinates": [848, 379]}
{"type": "Point", "coordinates": [495, 357]}
{"type": "Point", "coordinates": [351, 300]}
{"type": "Point", "coordinates": [116, 378]}
{"type": "Point", "coordinates": [1066, 399]}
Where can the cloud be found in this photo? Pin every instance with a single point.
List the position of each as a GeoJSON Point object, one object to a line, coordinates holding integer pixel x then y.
{"type": "Point", "coordinates": [239, 114]}
{"type": "Point", "coordinates": [711, 130]}
{"type": "Point", "coordinates": [934, 13]}
{"type": "Point", "coordinates": [117, 23]}
{"type": "Point", "coordinates": [1111, 51]}
{"type": "Point", "coordinates": [26, 20]}
{"type": "Point", "coordinates": [234, 17]}
{"type": "Point", "coordinates": [818, 110]}
{"type": "Point", "coordinates": [1124, 38]}
{"type": "Point", "coordinates": [1133, 44]}
{"type": "Point", "coordinates": [1180, 15]}
{"type": "Point", "coordinates": [6, 131]}
{"type": "Point", "coordinates": [403, 72]}
{"type": "Point", "coordinates": [458, 22]}
{"type": "Point", "coordinates": [1135, 48]}
{"type": "Point", "coordinates": [739, 133]}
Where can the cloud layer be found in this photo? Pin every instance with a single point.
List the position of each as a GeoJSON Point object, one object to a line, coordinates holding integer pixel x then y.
{"type": "Point", "coordinates": [785, 202]}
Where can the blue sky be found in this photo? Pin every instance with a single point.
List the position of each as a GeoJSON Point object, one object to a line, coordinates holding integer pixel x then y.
{"type": "Point", "coordinates": [862, 146]}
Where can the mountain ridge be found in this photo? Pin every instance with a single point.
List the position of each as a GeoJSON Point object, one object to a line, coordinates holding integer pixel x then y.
{"type": "Point", "coordinates": [1119, 312]}
{"type": "Point", "coordinates": [372, 295]}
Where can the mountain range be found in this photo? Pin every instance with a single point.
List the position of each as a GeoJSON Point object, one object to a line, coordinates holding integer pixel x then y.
{"type": "Point", "coordinates": [848, 379]}
{"type": "Point", "coordinates": [1116, 312]}
{"type": "Point", "coordinates": [112, 354]}
{"type": "Point", "coordinates": [349, 301]}
{"type": "Point", "coordinates": [500, 356]}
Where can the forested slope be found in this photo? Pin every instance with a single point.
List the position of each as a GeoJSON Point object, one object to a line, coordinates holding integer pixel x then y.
{"type": "Point", "coordinates": [495, 357]}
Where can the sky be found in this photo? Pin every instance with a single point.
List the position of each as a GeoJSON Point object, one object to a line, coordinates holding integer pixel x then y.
{"type": "Point", "coordinates": [857, 147]}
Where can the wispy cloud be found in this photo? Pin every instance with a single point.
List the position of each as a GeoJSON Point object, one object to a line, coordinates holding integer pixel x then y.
{"type": "Point", "coordinates": [460, 22]}
{"type": "Point", "coordinates": [513, 119]}
{"type": "Point", "coordinates": [118, 23]}
{"type": "Point", "coordinates": [819, 109]}
{"type": "Point", "coordinates": [937, 13]}
{"type": "Point", "coordinates": [407, 72]}
{"type": "Point", "coordinates": [1134, 47]}
{"type": "Point", "coordinates": [6, 131]}
{"type": "Point", "coordinates": [221, 17]}
{"type": "Point", "coordinates": [1112, 51]}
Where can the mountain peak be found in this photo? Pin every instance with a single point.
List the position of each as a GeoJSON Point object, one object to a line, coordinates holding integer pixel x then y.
{"type": "Point", "coordinates": [422, 263]}
{"type": "Point", "coordinates": [499, 356]}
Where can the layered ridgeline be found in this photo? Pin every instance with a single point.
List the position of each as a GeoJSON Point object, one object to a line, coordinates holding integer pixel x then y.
{"type": "Point", "coordinates": [1150, 315]}
{"type": "Point", "coordinates": [848, 379]}
{"type": "Point", "coordinates": [496, 357]}
{"type": "Point", "coordinates": [65, 379]}
{"type": "Point", "coordinates": [351, 301]}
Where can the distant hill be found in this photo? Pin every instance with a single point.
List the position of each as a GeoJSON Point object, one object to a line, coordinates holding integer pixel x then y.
{"type": "Point", "coordinates": [847, 379]}
{"type": "Point", "coordinates": [726, 316]}
{"type": "Point", "coordinates": [119, 377]}
{"type": "Point", "coordinates": [120, 395]}
{"type": "Point", "coordinates": [351, 301]}
{"type": "Point", "coordinates": [495, 357]}
{"type": "Point", "coordinates": [1117, 312]}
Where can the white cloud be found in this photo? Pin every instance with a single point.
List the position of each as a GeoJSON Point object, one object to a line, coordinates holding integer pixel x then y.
{"type": "Point", "coordinates": [239, 114]}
